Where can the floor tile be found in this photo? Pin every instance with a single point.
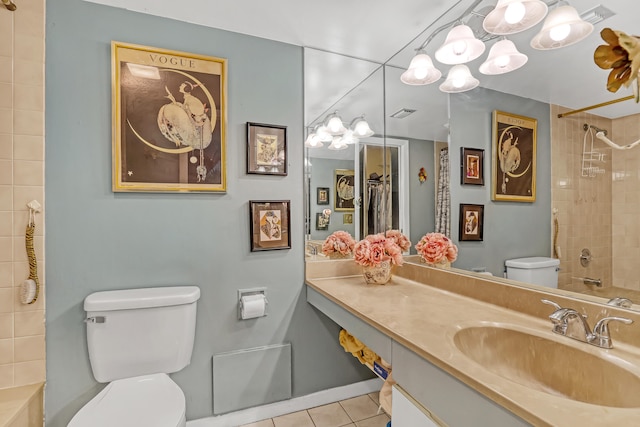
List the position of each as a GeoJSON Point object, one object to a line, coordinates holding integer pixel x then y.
{"type": "Point", "coordinates": [295, 419]}
{"type": "Point", "coordinates": [263, 423]}
{"type": "Point", "coordinates": [377, 421]}
{"type": "Point", "coordinates": [332, 415]}
{"type": "Point", "coordinates": [375, 396]}
{"type": "Point", "coordinates": [360, 407]}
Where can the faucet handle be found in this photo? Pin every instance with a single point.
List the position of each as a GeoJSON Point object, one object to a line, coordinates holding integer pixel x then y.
{"type": "Point", "coordinates": [620, 302]}
{"type": "Point", "coordinates": [601, 330]}
{"type": "Point", "coordinates": [555, 304]}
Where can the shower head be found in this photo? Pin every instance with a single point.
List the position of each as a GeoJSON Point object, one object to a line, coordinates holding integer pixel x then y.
{"type": "Point", "coordinates": [597, 129]}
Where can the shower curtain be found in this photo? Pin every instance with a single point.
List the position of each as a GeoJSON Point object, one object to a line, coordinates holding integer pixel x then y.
{"type": "Point", "coordinates": [443, 202]}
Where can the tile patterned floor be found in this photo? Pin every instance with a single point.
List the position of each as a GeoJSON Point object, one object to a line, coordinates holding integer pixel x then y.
{"type": "Point", "coordinates": [361, 411]}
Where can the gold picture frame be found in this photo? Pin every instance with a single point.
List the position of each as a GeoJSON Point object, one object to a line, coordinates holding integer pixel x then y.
{"type": "Point", "coordinates": [344, 190]}
{"type": "Point", "coordinates": [513, 158]}
{"type": "Point", "coordinates": [169, 118]}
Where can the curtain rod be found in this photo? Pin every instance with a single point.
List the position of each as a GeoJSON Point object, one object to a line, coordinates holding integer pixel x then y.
{"type": "Point", "coordinates": [603, 104]}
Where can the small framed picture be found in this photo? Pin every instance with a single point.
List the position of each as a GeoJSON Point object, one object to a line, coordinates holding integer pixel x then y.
{"type": "Point", "coordinates": [270, 222]}
{"type": "Point", "coordinates": [344, 190]}
{"type": "Point", "coordinates": [471, 222]}
{"type": "Point", "coordinates": [471, 166]}
{"type": "Point", "coordinates": [322, 196]}
{"type": "Point", "coordinates": [266, 149]}
{"type": "Point", "coordinates": [322, 221]}
{"type": "Point", "coordinates": [347, 218]}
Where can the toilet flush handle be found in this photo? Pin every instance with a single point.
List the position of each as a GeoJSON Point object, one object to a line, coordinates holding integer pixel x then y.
{"type": "Point", "coordinates": [95, 319]}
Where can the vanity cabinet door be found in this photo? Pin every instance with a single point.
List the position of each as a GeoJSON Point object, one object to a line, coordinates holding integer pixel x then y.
{"type": "Point", "coordinates": [407, 412]}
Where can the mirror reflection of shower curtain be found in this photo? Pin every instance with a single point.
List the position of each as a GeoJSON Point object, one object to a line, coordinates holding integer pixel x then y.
{"type": "Point", "coordinates": [443, 201]}
{"type": "Point", "coordinates": [378, 200]}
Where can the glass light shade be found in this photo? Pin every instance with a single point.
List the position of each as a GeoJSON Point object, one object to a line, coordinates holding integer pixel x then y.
{"type": "Point", "coordinates": [313, 141]}
{"type": "Point", "coordinates": [334, 125]}
{"type": "Point", "coordinates": [503, 58]}
{"type": "Point", "coordinates": [460, 46]}
{"type": "Point", "coordinates": [337, 144]}
{"type": "Point", "coordinates": [514, 16]}
{"type": "Point", "coordinates": [349, 137]}
{"type": "Point", "coordinates": [459, 79]}
{"type": "Point", "coordinates": [563, 27]}
{"type": "Point", "coordinates": [360, 128]}
{"type": "Point", "coordinates": [323, 135]}
{"type": "Point", "coordinates": [421, 71]}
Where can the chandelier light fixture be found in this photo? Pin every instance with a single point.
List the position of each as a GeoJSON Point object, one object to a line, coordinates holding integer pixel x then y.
{"type": "Point", "coordinates": [563, 27]}
{"type": "Point", "coordinates": [340, 137]}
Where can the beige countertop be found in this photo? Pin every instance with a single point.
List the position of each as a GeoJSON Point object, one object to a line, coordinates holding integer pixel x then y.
{"type": "Point", "coordinates": [426, 318]}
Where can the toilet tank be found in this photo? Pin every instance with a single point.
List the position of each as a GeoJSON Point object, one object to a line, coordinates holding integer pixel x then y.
{"type": "Point", "coordinates": [537, 270]}
{"type": "Point", "coordinates": [137, 332]}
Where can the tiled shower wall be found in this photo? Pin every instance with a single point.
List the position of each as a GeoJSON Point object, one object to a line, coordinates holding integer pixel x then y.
{"type": "Point", "coordinates": [625, 191]}
{"type": "Point", "coordinates": [583, 204]}
{"type": "Point", "coordinates": [22, 331]}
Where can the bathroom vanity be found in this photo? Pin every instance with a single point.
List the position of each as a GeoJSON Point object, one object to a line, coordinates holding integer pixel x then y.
{"type": "Point", "coordinates": [468, 350]}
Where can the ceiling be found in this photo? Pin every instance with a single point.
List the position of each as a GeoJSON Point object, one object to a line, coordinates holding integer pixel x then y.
{"type": "Point", "coordinates": [381, 31]}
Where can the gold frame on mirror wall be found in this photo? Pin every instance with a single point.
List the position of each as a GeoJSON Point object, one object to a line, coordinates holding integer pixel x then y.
{"type": "Point", "coordinates": [169, 118]}
{"type": "Point", "coordinates": [344, 190]}
{"type": "Point", "coordinates": [513, 168]}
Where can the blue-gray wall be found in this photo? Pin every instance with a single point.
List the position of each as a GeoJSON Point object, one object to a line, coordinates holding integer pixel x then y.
{"type": "Point", "coordinates": [511, 229]}
{"type": "Point", "coordinates": [100, 240]}
{"type": "Point", "coordinates": [422, 195]}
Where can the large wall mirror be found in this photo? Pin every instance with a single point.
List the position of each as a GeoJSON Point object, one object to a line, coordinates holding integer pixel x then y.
{"type": "Point", "coordinates": [413, 124]}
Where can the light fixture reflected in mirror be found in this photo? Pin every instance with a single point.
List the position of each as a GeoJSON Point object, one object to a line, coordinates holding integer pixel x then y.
{"type": "Point", "coordinates": [360, 128]}
{"type": "Point", "coordinates": [460, 46]}
{"type": "Point", "coordinates": [459, 80]}
{"type": "Point", "coordinates": [333, 130]}
{"type": "Point", "coordinates": [514, 16]}
{"type": "Point", "coordinates": [563, 27]}
{"type": "Point", "coordinates": [334, 125]}
{"type": "Point", "coordinates": [503, 58]}
{"type": "Point", "coordinates": [421, 71]}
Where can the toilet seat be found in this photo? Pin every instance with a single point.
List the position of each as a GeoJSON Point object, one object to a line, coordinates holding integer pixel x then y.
{"type": "Point", "coordinates": [149, 400]}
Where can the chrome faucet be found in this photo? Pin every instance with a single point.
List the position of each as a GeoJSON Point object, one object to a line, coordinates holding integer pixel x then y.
{"type": "Point", "coordinates": [570, 323]}
{"type": "Point", "coordinates": [620, 302]}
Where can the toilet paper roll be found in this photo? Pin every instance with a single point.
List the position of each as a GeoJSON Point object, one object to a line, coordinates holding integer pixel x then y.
{"type": "Point", "coordinates": [253, 306]}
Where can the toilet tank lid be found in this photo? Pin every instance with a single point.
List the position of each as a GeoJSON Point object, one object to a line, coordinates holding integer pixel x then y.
{"type": "Point", "coordinates": [141, 298]}
{"type": "Point", "coordinates": [532, 262]}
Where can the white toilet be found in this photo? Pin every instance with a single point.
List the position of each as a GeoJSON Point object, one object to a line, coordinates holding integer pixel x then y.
{"type": "Point", "coordinates": [541, 271]}
{"type": "Point", "coordinates": [135, 338]}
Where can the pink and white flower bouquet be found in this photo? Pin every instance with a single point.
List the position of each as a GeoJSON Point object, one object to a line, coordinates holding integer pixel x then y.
{"type": "Point", "coordinates": [436, 248]}
{"type": "Point", "coordinates": [400, 239]}
{"type": "Point", "coordinates": [338, 245]}
{"type": "Point", "coordinates": [376, 248]}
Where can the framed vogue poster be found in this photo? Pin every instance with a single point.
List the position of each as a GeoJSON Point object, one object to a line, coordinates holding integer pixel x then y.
{"type": "Point", "coordinates": [270, 223]}
{"type": "Point", "coordinates": [344, 196]}
{"type": "Point", "coordinates": [266, 149]}
{"type": "Point", "coordinates": [513, 175]}
{"type": "Point", "coordinates": [471, 222]}
{"type": "Point", "coordinates": [169, 111]}
{"type": "Point", "coordinates": [471, 166]}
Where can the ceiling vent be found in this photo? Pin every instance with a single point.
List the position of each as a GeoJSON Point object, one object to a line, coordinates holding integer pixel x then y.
{"type": "Point", "coordinates": [402, 113]}
{"type": "Point", "coordinates": [597, 14]}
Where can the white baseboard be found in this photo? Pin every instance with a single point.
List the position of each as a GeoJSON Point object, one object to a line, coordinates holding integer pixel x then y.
{"type": "Point", "coordinates": [296, 404]}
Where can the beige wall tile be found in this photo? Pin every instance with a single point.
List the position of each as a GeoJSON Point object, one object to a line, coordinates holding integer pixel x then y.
{"type": "Point", "coordinates": [6, 33]}
{"type": "Point", "coordinates": [28, 348]}
{"type": "Point", "coordinates": [28, 97]}
{"type": "Point", "coordinates": [29, 323]}
{"type": "Point", "coordinates": [6, 325]}
{"type": "Point", "coordinates": [27, 47]}
{"type": "Point", "coordinates": [20, 251]}
{"type": "Point", "coordinates": [6, 219]}
{"type": "Point", "coordinates": [6, 118]}
{"type": "Point", "coordinates": [29, 22]}
{"type": "Point", "coordinates": [28, 122]}
{"type": "Point", "coordinates": [29, 372]}
{"type": "Point", "coordinates": [6, 351]}
{"type": "Point", "coordinates": [6, 146]}
{"type": "Point", "coordinates": [6, 69]}
{"type": "Point", "coordinates": [21, 271]}
{"type": "Point", "coordinates": [28, 147]}
{"type": "Point", "coordinates": [6, 376]}
{"type": "Point", "coordinates": [28, 72]}
{"type": "Point", "coordinates": [6, 300]}
{"type": "Point", "coordinates": [6, 249]}
{"type": "Point", "coordinates": [6, 198]}
{"type": "Point", "coordinates": [6, 95]}
{"type": "Point", "coordinates": [24, 194]}
{"type": "Point", "coordinates": [6, 274]}
{"type": "Point", "coordinates": [27, 172]}
{"type": "Point", "coordinates": [6, 172]}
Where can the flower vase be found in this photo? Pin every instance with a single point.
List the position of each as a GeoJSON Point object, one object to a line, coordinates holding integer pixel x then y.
{"type": "Point", "coordinates": [443, 264]}
{"type": "Point", "coordinates": [377, 274]}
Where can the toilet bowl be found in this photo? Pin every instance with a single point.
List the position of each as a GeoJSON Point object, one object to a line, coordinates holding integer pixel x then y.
{"type": "Point", "coordinates": [149, 400]}
{"type": "Point", "coordinates": [135, 338]}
